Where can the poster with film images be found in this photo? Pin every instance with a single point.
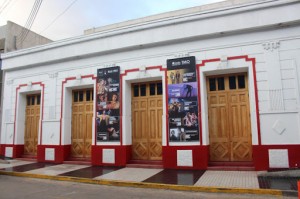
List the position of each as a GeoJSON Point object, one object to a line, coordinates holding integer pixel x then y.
{"type": "Point", "coordinates": [182, 100]}
{"type": "Point", "coordinates": [108, 104]}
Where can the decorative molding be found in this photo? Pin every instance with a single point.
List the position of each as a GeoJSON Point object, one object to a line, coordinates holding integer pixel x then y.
{"type": "Point", "coordinates": [276, 100]}
{"type": "Point", "coordinates": [8, 114]}
{"type": "Point", "coordinates": [279, 127]}
{"type": "Point", "coordinates": [108, 65]}
{"type": "Point", "coordinates": [29, 84]}
{"type": "Point", "coordinates": [51, 112]}
{"type": "Point", "coordinates": [223, 62]}
{"type": "Point", "coordinates": [53, 75]}
{"type": "Point", "coordinates": [278, 158]}
{"type": "Point", "coordinates": [185, 158]}
{"type": "Point", "coordinates": [108, 156]}
{"type": "Point", "coordinates": [271, 45]}
{"type": "Point", "coordinates": [78, 77]}
{"type": "Point", "coordinates": [179, 55]}
{"type": "Point", "coordinates": [9, 82]}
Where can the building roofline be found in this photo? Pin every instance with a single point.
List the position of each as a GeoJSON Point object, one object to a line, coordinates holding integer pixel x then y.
{"type": "Point", "coordinates": [213, 7]}
{"type": "Point", "coordinates": [180, 16]}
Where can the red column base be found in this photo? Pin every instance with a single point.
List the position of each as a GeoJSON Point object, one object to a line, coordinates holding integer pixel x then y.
{"type": "Point", "coordinates": [261, 155]}
{"type": "Point", "coordinates": [61, 153]}
{"type": "Point", "coordinates": [200, 157]}
{"type": "Point", "coordinates": [122, 155]}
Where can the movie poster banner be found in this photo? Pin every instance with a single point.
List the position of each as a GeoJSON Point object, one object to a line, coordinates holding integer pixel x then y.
{"type": "Point", "coordinates": [182, 100]}
{"type": "Point", "coordinates": [108, 105]}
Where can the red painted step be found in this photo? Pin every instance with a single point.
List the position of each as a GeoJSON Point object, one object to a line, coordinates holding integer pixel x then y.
{"type": "Point", "coordinates": [231, 166]}
{"type": "Point", "coordinates": [80, 161]}
{"type": "Point", "coordinates": [145, 164]}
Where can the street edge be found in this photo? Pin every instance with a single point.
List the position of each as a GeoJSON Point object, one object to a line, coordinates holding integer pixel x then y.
{"type": "Point", "coordinates": [149, 185]}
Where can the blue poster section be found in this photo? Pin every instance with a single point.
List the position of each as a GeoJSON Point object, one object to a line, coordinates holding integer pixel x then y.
{"type": "Point", "coordinates": [108, 104]}
{"type": "Point", "coordinates": [182, 100]}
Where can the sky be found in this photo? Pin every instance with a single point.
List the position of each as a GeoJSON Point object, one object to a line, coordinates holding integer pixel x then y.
{"type": "Point", "coordinates": [85, 14]}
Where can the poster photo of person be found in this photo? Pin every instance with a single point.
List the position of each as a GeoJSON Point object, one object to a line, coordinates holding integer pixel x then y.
{"type": "Point", "coordinates": [179, 76]}
{"type": "Point", "coordinates": [183, 90]}
{"type": "Point", "coordinates": [107, 126]}
{"type": "Point", "coordinates": [177, 135]}
{"type": "Point", "coordinates": [113, 102]}
{"type": "Point", "coordinates": [183, 134]}
{"type": "Point", "coordinates": [190, 119]}
{"type": "Point", "coordinates": [175, 107]}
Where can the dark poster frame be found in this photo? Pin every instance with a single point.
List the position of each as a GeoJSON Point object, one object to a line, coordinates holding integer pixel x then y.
{"type": "Point", "coordinates": [108, 104]}
{"type": "Point", "coordinates": [182, 100]}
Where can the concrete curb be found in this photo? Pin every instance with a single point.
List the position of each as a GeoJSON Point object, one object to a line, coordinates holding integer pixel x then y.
{"type": "Point", "coordinates": [150, 185]}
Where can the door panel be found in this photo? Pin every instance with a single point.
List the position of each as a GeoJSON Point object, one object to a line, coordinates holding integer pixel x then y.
{"type": "Point", "coordinates": [139, 133]}
{"type": "Point", "coordinates": [241, 132]}
{"type": "Point", "coordinates": [155, 131]}
{"type": "Point", "coordinates": [82, 124]}
{"type": "Point", "coordinates": [218, 127]}
{"type": "Point", "coordinates": [146, 123]}
{"type": "Point", "coordinates": [32, 119]}
{"type": "Point", "coordinates": [229, 119]}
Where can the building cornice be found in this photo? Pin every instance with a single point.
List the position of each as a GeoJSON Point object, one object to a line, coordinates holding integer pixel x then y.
{"type": "Point", "coordinates": [155, 23]}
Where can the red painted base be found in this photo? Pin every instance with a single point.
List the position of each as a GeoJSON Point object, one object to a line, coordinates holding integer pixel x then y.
{"type": "Point", "coordinates": [2, 149]}
{"type": "Point", "coordinates": [122, 155]}
{"type": "Point", "coordinates": [18, 150]}
{"type": "Point", "coordinates": [261, 155]}
{"type": "Point", "coordinates": [200, 157]}
{"type": "Point", "coordinates": [61, 153]}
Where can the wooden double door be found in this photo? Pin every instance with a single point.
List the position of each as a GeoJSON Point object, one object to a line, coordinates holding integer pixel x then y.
{"type": "Point", "coordinates": [147, 113]}
{"type": "Point", "coordinates": [229, 118]}
{"type": "Point", "coordinates": [32, 121]}
{"type": "Point", "coordinates": [82, 123]}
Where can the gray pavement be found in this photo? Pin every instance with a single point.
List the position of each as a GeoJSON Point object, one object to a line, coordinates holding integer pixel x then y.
{"type": "Point", "coordinates": [16, 187]}
{"type": "Point", "coordinates": [260, 184]}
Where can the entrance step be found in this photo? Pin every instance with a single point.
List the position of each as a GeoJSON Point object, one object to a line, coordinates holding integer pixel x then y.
{"type": "Point", "coordinates": [231, 166]}
{"type": "Point", "coordinates": [27, 159]}
{"type": "Point", "coordinates": [30, 158]}
{"type": "Point", "coordinates": [145, 164]}
{"type": "Point", "coordinates": [80, 161]}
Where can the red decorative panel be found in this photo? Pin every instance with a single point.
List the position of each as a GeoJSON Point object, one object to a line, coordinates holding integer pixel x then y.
{"type": "Point", "coordinates": [200, 156]}
{"type": "Point", "coordinates": [122, 155]}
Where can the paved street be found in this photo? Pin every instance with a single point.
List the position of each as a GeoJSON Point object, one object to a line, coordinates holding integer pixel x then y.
{"type": "Point", "coordinates": [19, 187]}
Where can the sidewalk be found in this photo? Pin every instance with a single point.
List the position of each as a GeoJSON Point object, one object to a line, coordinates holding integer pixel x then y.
{"type": "Point", "coordinates": [272, 183]}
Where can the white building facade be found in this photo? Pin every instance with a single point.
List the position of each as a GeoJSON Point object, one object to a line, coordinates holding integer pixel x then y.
{"type": "Point", "coordinates": [245, 98]}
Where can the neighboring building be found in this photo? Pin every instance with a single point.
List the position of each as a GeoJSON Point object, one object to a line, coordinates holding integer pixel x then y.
{"type": "Point", "coordinates": [14, 37]}
{"type": "Point", "coordinates": [11, 38]}
{"type": "Point", "coordinates": [215, 83]}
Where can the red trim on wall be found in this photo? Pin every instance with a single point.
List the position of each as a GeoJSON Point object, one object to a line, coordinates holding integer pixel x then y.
{"type": "Point", "coordinates": [204, 62]}
{"type": "Point", "coordinates": [42, 106]}
{"type": "Point", "coordinates": [62, 97]}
